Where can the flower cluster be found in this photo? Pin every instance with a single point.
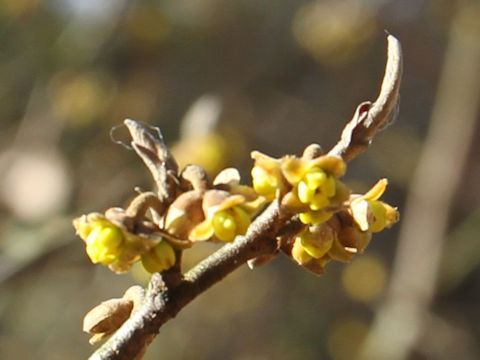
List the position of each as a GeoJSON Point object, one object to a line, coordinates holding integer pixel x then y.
{"type": "Point", "coordinates": [217, 212]}
{"type": "Point", "coordinates": [338, 224]}
{"type": "Point", "coordinates": [111, 243]}
{"type": "Point", "coordinates": [310, 187]}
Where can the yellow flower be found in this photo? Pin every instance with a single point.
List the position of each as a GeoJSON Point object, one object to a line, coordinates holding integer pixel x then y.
{"type": "Point", "coordinates": [225, 217]}
{"type": "Point", "coordinates": [111, 244]}
{"type": "Point", "coordinates": [266, 175]}
{"type": "Point", "coordinates": [184, 214]}
{"type": "Point", "coordinates": [369, 213]}
{"type": "Point", "coordinates": [315, 187]}
{"type": "Point", "coordinates": [317, 240]}
{"type": "Point", "coordinates": [104, 244]}
{"type": "Point", "coordinates": [314, 181]}
{"type": "Point", "coordinates": [294, 169]}
{"type": "Point", "coordinates": [229, 180]}
{"type": "Point", "coordinates": [311, 248]}
{"type": "Point", "coordinates": [300, 255]}
{"type": "Point", "coordinates": [103, 239]}
{"type": "Point", "coordinates": [160, 258]}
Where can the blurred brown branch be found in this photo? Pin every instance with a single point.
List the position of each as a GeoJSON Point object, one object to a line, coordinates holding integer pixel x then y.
{"type": "Point", "coordinates": [165, 298]}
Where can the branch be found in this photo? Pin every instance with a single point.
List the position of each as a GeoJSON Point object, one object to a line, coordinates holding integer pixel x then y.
{"type": "Point", "coordinates": [165, 299]}
{"type": "Point", "coordinates": [369, 118]}
{"type": "Point", "coordinates": [162, 303]}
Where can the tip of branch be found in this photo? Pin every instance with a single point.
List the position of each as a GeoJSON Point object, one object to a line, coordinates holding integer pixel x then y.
{"type": "Point", "coordinates": [389, 90]}
{"type": "Point", "coordinates": [370, 117]}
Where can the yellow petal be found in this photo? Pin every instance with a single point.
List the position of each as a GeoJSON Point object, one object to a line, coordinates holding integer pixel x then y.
{"type": "Point", "coordinates": [305, 194]}
{"type": "Point", "coordinates": [315, 178]}
{"type": "Point", "coordinates": [242, 220]}
{"type": "Point", "coordinates": [315, 217]}
{"type": "Point", "coordinates": [93, 252]}
{"type": "Point", "coordinates": [160, 258]}
{"type": "Point", "coordinates": [329, 186]}
{"type": "Point", "coordinates": [378, 221]}
{"type": "Point", "coordinates": [224, 226]}
{"type": "Point", "coordinates": [318, 202]}
{"type": "Point", "coordinates": [299, 254]}
{"type": "Point", "coordinates": [253, 206]}
{"type": "Point", "coordinates": [110, 237]}
{"type": "Point", "coordinates": [316, 245]}
{"type": "Point", "coordinates": [377, 190]}
{"type": "Point", "coordinates": [202, 231]}
{"type": "Point", "coordinates": [264, 184]}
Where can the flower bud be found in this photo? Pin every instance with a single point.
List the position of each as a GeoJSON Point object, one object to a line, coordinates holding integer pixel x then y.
{"type": "Point", "coordinates": [303, 258]}
{"type": "Point", "coordinates": [184, 214]}
{"type": "Point", "coordinates": [317, 240]}
{"type": "Point", "coordinates": [299, 254]}
{"type": "Point", "coordinates": [159, 258]}
{"type": "Point", "coordinates": [352, 237]}
{"type": "Point", "coordinates": [369, 213]}
{"type": "Point", "coordinates": [266, 176]}
{"type": "Point", "coordinates": [109, 242]}
{"type": "Point", "coordinates": [264, 183]}
{"type": "Point", "coordinates": [104, 244]}
{"type": "Point", "coordinates": [103, 239]}
{"type": "Point", "coordinates": [107, 317]}
{"type": "Point", "coordinates": [225, 217]}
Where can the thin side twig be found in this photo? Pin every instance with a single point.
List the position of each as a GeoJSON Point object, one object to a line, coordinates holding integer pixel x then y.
{"type": "Point", "coordinates": [157, 157]}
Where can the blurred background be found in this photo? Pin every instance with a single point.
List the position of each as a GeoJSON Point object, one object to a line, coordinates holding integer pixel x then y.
{"type": "Point", "coordinates": [222, 78]}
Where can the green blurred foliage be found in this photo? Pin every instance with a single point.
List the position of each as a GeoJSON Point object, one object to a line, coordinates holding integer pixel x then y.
{"type": "Point", "coordinates": [284, 74]}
